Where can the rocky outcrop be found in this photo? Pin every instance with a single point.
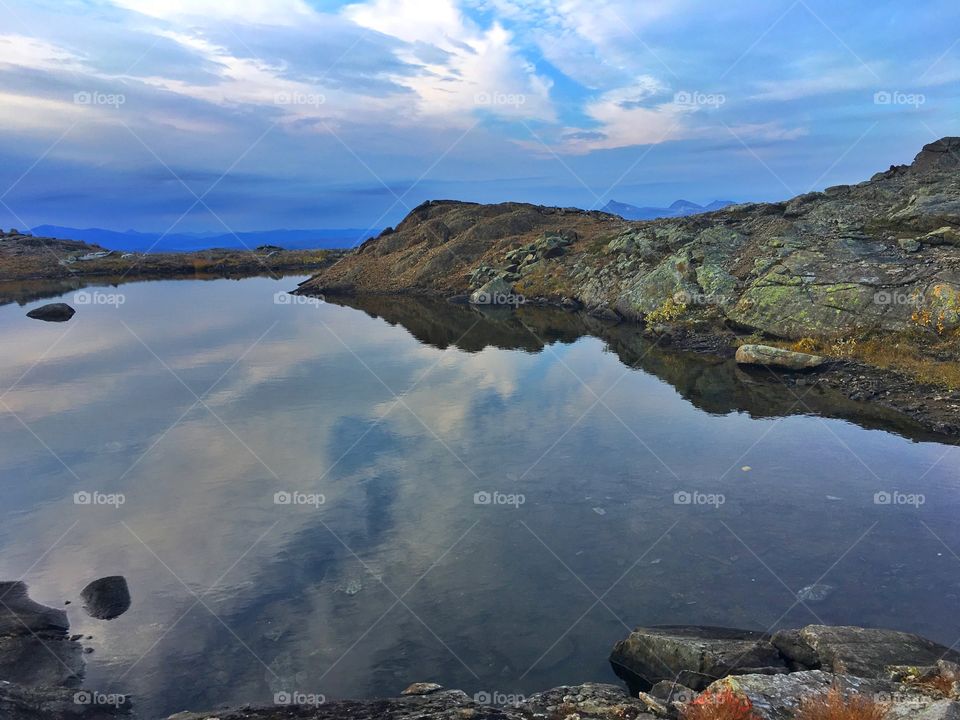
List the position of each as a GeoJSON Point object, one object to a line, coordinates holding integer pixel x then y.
{"type": "Point", "coordinates": [880, 256]}
{"type": "Point", "coordinates": [914, 676]}
{"type": "Point", "coordinates": [769, 356]}
{"type": "Point", "coordinates": [41, 668]}
{"type": "Point", "coordinates": [587, 702]}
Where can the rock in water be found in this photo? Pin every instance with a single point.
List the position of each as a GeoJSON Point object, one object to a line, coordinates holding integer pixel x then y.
{"type": "Point", "coordinates": [106, 598]}
{"type": "Point", "coordinates": [776, 357]}
{"type": "Point", "coordinates": [54, 312]}
{"type": "Point", "coordinates": [814, 593]}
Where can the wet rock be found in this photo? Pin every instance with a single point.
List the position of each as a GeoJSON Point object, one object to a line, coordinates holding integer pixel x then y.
{"type": "Point", "coordinates": [106, 598]}
{"type": "Point", "coordinates": [769, 356]}
{"type": "Point", "coordinates": [694, 656]}
{"type": "Point", "coordinates": [909, 245]}
{"type": "Point", "coordinates": [863, 652]}
{"type": "Point", "coordinates": [35, 649]}
{"type": "Point", "coordinates": [54, 312]}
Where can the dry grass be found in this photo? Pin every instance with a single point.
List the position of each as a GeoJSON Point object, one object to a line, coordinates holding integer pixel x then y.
{"type": "Point", "coordinates": [719, 705]}
{"type": "Point", "coordinates": [922, 357]}
{"type": "Point", "coordinates": [836, 705]}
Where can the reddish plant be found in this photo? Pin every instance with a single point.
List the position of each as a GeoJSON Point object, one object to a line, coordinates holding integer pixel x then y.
{"type": "Point", "coordinates": [719, 705]}
{"type": "Point", "coordinates": [836, 705]}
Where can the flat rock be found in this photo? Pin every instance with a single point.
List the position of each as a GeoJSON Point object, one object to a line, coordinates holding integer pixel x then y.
{"type": "Point", "coordinates": [46, 703]}
{"type": "Point", "coordinates": [106, 598]}
{"type": "Point", "coordinates": [694, 656]}
{"type": "Point", "coordinates": [54, 312]}
{"type": "Point", "coordinates": [769, 356]}
{"type": "Point", "coordinates": [862, 652]}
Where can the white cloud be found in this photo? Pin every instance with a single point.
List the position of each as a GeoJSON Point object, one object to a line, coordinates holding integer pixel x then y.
{"type": "Point", "coordinates": [478, 69]}
{"type": "Point", "coordinates": [261, 12]}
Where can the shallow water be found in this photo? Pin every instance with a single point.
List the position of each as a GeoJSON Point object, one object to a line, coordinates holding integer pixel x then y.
{"type": "Point", "coordinates": [198, 402]}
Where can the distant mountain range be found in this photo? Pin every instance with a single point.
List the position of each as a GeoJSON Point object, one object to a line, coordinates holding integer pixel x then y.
{"type": "Point", "coordinates": [678, 209]}
{"type": "Point", "coordinates": [133, 241]}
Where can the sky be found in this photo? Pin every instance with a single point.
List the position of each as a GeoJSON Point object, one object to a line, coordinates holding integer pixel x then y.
{"type": "Point", "coordinates": [237, 115]}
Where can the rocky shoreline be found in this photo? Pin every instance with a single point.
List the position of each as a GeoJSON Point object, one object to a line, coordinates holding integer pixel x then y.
{"type": "Point", "coordinates": [25, 257]}
{"type": "Point", "coordinates": [666, 671]}
{"type": "Point", "coordinates": [866, 276]}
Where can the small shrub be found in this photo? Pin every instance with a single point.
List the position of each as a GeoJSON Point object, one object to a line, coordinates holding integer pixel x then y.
{"type": "Point", "coordinates": [670, 310]}
{"type": "Point", "coordinates": [719, 705]}
{"type": "Point", "coordinates": [835, 705]}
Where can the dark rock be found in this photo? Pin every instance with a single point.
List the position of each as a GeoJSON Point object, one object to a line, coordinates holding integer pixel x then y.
{"type": "Point", "coordinates": [54, 312]}
{"type": "Point", "coordinates": [47, 703]}
{"type": "Point", "coordinates": [106, 598]}
{"type": "Point", "coordinates": [864, 652]}
{"type": "Point", "coordinates": [35, 649]}
{"type": "Point", "coordinates": [694, 656]}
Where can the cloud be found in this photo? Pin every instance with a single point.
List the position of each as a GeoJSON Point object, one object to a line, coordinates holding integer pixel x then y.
{"type": "Point", "coordinates": [466, 69]}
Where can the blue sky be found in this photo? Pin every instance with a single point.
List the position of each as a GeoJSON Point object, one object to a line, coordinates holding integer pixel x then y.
{"type": "Point", "coordinates": [217, 115]}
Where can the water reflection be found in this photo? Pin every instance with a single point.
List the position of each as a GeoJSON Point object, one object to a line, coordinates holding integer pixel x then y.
{"type": "Point", "coordinates": [200, 401]}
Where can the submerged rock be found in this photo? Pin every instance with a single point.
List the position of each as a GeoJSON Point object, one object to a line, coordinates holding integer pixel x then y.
{"type": "Point", "coordinates": [815, 593]}
{"type": "Point", "coordinates": [770, 356]}
{"type": "Point", "coordinates": [54, 312]}
{"type": "Point", "coordinates": [106, 598]}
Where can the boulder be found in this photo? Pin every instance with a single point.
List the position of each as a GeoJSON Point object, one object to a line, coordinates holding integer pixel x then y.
{"type": "Point", "coordinates": [693, 656]}
{"type": "Point", "coordinates": [54, 312]}
{"type": "Point", "coordinates": [769, 356]}
{"type": "Point", "coordinates": [863, 652]}
{"type": "Point", "coordinates": [495, 292]}
{"type": "Point", "coordinates": [106, 598]}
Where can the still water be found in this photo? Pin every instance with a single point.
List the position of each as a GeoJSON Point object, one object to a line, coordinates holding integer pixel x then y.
{"type": "Point", "coordinates": [340, 500]}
